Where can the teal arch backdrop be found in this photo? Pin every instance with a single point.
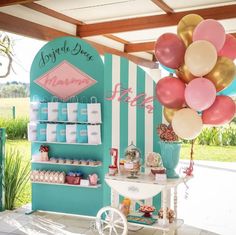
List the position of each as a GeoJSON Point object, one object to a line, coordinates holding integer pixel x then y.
{"type": "Point", "coordinates": [59, 198]}
{"type": "Point", "coordinates": [130, 113]}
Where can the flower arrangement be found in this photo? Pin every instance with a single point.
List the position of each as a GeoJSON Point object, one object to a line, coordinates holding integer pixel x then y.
{"type": "Point", "coordinates": [170, 214]}
{"type": "Point", "coordinates": [166, 133]}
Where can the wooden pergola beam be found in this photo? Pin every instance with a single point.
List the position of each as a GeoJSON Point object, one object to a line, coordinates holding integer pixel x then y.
{"type": "Point", "coordinates": [60, 16]}
{"type": "Point", "coordinates": [138, 47]}
{"type": "Point", "coordinates": [144, 46]}
{"type": "Point", "coordinates": [147, 22]}
{"type": "Point", "coordinates": [50, 12]}
{"type": "Point", "coordinates": [161, 4]}
{"type": "Point", "coordinates": [4, 3]}
{"type": "Point", "coordinates": [20, 26]}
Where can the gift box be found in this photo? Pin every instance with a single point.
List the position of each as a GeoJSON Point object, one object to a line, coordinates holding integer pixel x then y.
{"type": "Point", "coordinates": [73, 179]}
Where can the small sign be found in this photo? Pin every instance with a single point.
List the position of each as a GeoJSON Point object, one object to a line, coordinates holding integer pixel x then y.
{"type": "Point", "coordinates": [65, 81]}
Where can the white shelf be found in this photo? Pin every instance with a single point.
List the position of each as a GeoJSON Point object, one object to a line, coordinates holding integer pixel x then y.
{"type": "Point", "coordinates": [69, 185]}
{"type": "Point", "coordinates": [46, 142]}
{"type": "Point", "coordinates": [167, 227]}
{"type": "Point", "coordinates": [64, 164]}
{"type": "Point", "coordinates": [75, 122]}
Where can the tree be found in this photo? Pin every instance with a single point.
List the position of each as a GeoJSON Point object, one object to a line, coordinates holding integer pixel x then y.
{"type": "Point", "coordinates": [5, 55]}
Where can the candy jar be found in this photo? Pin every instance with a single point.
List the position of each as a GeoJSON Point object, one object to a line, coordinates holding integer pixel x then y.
{"type": "Point", "coordinates": [44, 152]}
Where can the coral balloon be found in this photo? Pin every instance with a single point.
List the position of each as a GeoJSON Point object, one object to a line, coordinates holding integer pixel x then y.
{"type": "Point", "coordinates": [200, 58]}
{"type": "Point", "coordinates": [186, 27]}
{"type": "Point", "coordinates": [211, 31]}
{"type": "Point", "coordinates": [221, 112]}
{"type": "Point", "coordinates": [200, 94]}
{"type": "Point", "coordinates": [187, 124]}
{"type": "Point", "coordinates": [223, 73]}
{"type": "Point", "coordinates": [169, 50]}
{"type": "Point", "coordinates": [183, 74]}
{"type": "Point", "coordinates": [169, 114]}
{"type": "Point", "coordinates": [229, 48]}
{"type": "Point", "coordinates": [170, 92]}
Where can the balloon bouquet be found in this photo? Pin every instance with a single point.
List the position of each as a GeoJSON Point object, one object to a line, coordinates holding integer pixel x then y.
{"type": "Point", "coordinates": [201, 55]}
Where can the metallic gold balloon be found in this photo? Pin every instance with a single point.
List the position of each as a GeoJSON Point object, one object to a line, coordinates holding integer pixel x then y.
{"type": "Point", "coordinates": [169, 114]}
{"type": "Point", "coordinates": [183, 74]}
{"type": "Point", "coordinates": [186, 27]}
{"type": "Point", "coordinates": [223, 73]}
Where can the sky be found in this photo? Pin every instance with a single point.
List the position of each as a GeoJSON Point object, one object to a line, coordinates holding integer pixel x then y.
{"type": "Point", "coordinates": [24, 52]}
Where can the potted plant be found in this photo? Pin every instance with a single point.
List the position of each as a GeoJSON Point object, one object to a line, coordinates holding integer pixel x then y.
{"type": "Point", "coordinates": [170, 149]}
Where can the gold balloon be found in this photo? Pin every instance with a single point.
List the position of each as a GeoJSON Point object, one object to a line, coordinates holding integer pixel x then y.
{"type": "Point", "coordinates": [223, 73]}
{"type": "Point", "coordinates": [183, 73]}
{"type": "Point", "coordinates": [169, 114]}
{"type": "Point", "coordinates": [186, 27]}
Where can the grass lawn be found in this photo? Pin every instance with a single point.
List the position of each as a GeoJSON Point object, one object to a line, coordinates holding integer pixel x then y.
{"type": "Point", "coordinates": [210, 153]}
{"type": "Point", "coordinates": [21, 104]}
{"type": "Point", "coordinates": [24, 148]}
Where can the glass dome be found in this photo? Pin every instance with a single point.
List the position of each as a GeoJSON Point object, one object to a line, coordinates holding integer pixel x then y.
{"type": "Point", "coordinates": [132, 160]}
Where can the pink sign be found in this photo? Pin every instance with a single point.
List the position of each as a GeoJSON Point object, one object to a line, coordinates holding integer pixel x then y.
{"type": "Point", "coordinates": [65, 81]}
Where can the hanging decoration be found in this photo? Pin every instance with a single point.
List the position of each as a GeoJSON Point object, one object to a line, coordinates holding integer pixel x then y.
{"type": "Point", "coordinates": [203, 67]}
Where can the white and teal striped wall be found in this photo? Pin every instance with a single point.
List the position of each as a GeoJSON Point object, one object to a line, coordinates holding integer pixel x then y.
{"type": "Point", "coordinates": [125, 121]}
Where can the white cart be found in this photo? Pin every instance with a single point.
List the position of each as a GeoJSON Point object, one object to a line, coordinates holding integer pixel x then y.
{"type": "Point", "coordinates": [111, 221]}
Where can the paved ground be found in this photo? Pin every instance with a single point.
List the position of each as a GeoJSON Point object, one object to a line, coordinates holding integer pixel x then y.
{"type": "Point", "coordinates": [209, 210]}
{"type": "Point", "coordinates": [211, 203]}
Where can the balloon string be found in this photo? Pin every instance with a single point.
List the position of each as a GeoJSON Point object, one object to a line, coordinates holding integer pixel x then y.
{"type": "Point", "coordinates": [189, 170]}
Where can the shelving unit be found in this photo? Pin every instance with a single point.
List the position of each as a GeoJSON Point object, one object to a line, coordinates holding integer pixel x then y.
{"type": "Point", "coordinates": [46, 142]}
{"type": "Point", "coordinates": [64, 164]}
{"type": "Point", "coordinates": [69, 185]}
{"type": "Point", "coordinates": [68, 122]}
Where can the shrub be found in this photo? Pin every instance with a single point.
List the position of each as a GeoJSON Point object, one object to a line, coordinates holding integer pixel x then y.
{"type": "Point", "coordinates": [225, 136]}
{"type": "Point", "coordinates": [15, 178]}
{"type": "Point", "coordinates": [15, 128]}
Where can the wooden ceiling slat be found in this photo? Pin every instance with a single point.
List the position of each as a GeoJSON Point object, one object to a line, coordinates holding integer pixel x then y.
{"type": "Point", "coordinates": [147, 22]}
{"type": "Point", "coordinates": [137, 47]}
{"type": "Point", "coordinates": [50, 12]}
{"type": "Point", "coordinates": [20, 26]}
{"type": "Point", "coordinates": [161, 4]}
{"type": "Point", "coordinates": [60, 16]}
{"type": "Point", "coordinates": [4, 3]}
{"type": "Point", "coordinates": [144, 46]}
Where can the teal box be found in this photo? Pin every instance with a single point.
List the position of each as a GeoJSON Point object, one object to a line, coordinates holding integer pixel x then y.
{"type": "Point", "coordinates": [62, 112]}
{"type": "Point", "coordinates": [41, 131]}
{"type": "Point", "coordinates": [43, 111]}
{"type": "Point", "coordinates": [61, 132]}
{"type": "Point", "coordinates": [82, 112]}
{"type": "Point", "coordinates": [82, 134]}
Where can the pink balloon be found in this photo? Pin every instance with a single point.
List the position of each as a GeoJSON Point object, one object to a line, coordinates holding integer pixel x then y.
{"type": "Point", "coordinates": [200, 94]}
{"type": "Point", "coordinates": [211, 31]}
{"type": "Point", "coordinates": [229, 48]}
{"type": "Point", "coordinates": [221, 112]}
{"type": "Point", "coordinates": [170, 50]}
{"type": "Point", "coordinates": [170, 92]}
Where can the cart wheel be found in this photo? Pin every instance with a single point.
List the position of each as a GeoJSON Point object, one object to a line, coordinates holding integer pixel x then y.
{"type": "Point", "coordinates": [110, 221]}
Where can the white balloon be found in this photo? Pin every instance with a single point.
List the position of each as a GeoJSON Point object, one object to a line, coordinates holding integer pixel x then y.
{"type": "Point", "coordinates": [200, 57]}
{"type": "Point", "coordinates": [187, 124]}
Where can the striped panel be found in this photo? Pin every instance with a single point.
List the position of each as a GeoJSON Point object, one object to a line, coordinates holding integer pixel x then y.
{"type": "Point", "coordinates": [115, 115]}
{"type": "Point", "coordinates": [148, 129]}
{"type": "Point", "coordinates": [130, 123]}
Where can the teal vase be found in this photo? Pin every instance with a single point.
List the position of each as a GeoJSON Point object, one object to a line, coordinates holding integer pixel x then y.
{"type": "Point", "coordinates": [170, 152]}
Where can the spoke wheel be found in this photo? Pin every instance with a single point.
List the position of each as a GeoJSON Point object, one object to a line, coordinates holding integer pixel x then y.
{"type": "Point", "coordinates": [110, 221]}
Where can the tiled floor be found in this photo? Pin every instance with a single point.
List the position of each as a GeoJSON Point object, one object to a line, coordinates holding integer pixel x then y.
{"type": "Point", "coordinates": [41, 223]}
